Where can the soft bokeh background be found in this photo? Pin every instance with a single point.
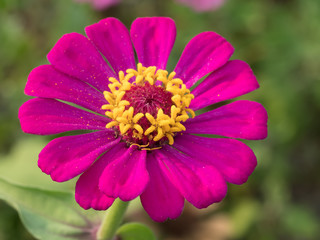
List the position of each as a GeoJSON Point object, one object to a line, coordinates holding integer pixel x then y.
{"type": "Point", "coordinates": [280, 39]}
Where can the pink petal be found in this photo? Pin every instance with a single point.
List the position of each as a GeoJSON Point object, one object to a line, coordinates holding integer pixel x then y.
{"type": "Point", "coordinates": [100, 4]}
{"type": "Point", "coordinates": [103, 4]}
{"type": "Point", "coordinates": [205, 53]}
{"type": "Point", "coordinates": [126, 177]}
{"type": "Point", "coordinates": [240, 119]}
{"type": "Point", "coordinates": [203, 5]}
{"type": "Point", "coordinates": [153, 39]}
{"type": "Point", "coordinates": [67, 157]}
{"type": "Point", "coordinates": [45, 81]}
{"type": "Point", "coordinates": [161, 199]}
{"type": "Point", "coordinates": [112, 39]}
{"type": "Point", "coordinates": [75, 55]}
{"type": "Point", "coordinates": [200, 183]}
{"type": "Point", "coordinates": [232, 158]}
{"type": "Point", "coordinates": [231, 80]}
{"type": "Point", "coordinates": [48, 116]}
{"type": "Point", "coordinates": [88, 194]}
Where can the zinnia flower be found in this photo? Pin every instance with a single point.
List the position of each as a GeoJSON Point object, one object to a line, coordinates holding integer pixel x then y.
{"type": "Point", "coordinates": [146, 140]}
{"type": "Point", "coordinates": [197, 5]}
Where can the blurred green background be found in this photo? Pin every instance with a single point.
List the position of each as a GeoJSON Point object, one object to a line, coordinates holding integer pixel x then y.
{"type": "Point", "coordinates": [280, 39]}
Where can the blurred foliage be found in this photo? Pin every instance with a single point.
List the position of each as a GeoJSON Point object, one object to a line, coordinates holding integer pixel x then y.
{"type": "Point", "coordinates": [51, 215]}
{"type": "Point", "coordinates": [280, 39]}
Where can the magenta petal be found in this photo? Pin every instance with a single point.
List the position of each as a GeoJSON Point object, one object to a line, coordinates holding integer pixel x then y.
{"type": "Point", "coordinates": [76, 56]}
{"type": "Point", "coordinates": [46, 82]}
{"type": "Point", "coordinates": [161, 199]}
{"type": "Point", "coordinates": [48, 116]}
{"type": "Point", "coordinates": [231, 80]}
{"type": "Point", "coordinates": [112, 39]}
{"type": "Point", "coordinates": [127, 176]}
{"type": "Point", "coordinates": [100, 4]}
{"type": "Point", "coordinates": [104, 4]}
{"type": "Point", "coordinates": [88, 194]}
{"type": "Point", "coordinates": [202, 5]}
{"type": "Point", "coordinates": [205, 53]}
{"type": "Point", "coordinates": [67, 157]}
{"type": "Point", "coordinates": [200, 183]}
{"type": "Point", "coordinates": [153, 39]}
{"type": "Point", "coordinates": [235, 160]}
{"type": "Point", "coordinates": [240, 119]}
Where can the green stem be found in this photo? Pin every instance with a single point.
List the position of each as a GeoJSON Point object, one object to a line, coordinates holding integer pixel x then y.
{"type": "Point", "coordinates": [112, 220]}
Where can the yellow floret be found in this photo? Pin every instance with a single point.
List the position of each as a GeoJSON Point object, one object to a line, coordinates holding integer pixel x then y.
{"type": "Point", "coordinates": [162, 125]}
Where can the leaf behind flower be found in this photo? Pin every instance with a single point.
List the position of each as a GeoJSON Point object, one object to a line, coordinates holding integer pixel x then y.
{"type": "Point", "coordinates": [50, 215]}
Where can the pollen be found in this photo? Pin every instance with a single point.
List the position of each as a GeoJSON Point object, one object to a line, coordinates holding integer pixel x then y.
{"type": "Point", "coordinates": [147, 106]}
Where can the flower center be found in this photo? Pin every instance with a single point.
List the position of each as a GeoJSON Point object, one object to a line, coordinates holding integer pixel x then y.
{"type": "Point", "coordinates": [147, 106]}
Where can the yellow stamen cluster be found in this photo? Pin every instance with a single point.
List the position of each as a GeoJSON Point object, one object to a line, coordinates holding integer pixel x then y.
{"type": "Point", "coordinates": [122, 114]}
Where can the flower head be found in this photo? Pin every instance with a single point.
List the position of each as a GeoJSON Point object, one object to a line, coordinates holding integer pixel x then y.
{"type": "Point", "coordinates": [145, 132]}
{"type": "Point", "coordinates": [149, 110]}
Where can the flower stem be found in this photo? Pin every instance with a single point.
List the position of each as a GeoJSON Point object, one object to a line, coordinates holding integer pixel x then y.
{"type": "Point", "coordinates": [112, 220]}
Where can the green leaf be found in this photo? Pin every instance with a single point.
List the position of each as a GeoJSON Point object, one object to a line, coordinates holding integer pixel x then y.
{"type": "Point", "coordinates": [49, 215]}
{"type": "Point", "coordinates": [20, 165]}
{"type": "Point", "coordinates": [135, 231]}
